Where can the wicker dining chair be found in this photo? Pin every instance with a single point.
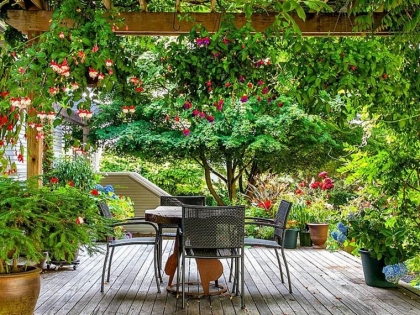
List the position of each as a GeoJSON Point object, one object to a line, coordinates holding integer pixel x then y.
{"type": "Point", "coordinates": [174, 201]}
{"type": "Point", "coordinates": [213, 232]}
{"type": "Point", "coordinates": [112, 243]}
{"type": "Point", "coordinates": [279, 226]}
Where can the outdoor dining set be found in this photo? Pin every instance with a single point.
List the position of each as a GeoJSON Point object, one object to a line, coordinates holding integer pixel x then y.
{"type": "Point", "coordinates": [204, 233]}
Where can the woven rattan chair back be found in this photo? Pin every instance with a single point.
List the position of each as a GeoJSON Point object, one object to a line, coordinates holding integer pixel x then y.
{"type": "Point", "coordinates": [213, 227]}
{"type": "Point", "coordinates": [281, 218]}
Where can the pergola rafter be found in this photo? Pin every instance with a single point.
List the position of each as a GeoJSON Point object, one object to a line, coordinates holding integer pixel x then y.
{"type": "Point", "coordinates": [172, 24]}
{"type": "Point", "coordinates": [37, 18]}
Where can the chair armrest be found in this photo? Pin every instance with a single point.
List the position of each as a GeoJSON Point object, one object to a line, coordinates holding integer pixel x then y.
{"type": "Point", "coordinates": [256, 219]}
{"type": "Point", "coordinates": [263, 224]}
{"type": "Point", "coordinates": [137, 221]}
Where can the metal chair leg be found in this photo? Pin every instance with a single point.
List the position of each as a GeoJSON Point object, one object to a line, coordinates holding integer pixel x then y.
{"type": "Point", "coordinates": [109, 263]}
{"type": "Point", "coordinates": [278, 261]}
{"type": "Point", "coordinates": [156, 267]}
{"type": "Point", "coordinates": [104, 269]}
{"type": "Point", "coordinates": [287, 270]}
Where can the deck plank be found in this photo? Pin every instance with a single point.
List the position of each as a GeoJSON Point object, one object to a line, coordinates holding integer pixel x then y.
{"type": "Point", "coordinates": [323, 282]}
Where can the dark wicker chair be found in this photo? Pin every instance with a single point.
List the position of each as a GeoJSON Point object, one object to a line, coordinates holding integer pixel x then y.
{"type": "Point", "coordinates": [174, 201]}
{"type": "Point", "coordinates": [279, 226]}
{"type": "Point", "coordinates": [213, 233]}
{"type": "Point", "coordinates": [112, 243]}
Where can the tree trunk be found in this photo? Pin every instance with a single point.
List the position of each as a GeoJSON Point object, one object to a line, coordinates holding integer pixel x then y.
{"type": "Point", "coordinates": [209, 182]}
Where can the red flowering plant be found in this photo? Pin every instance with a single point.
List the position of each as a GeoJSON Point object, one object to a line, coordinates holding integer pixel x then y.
{"type": "Point", "coordinates": [264, 197]}
{"type": "Point", "coordinates": [315, 197]}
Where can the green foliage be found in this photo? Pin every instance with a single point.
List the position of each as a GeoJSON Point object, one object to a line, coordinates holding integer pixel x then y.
{"type": "Point", "coordinates": [54, 219]}
{"type": "Point", "coordinates": [76, 171]}
{"type": "Point", "coordinates": [181, 178]}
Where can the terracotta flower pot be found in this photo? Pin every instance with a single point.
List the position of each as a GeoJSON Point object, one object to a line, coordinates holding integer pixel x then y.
{"type": "Point", "coordinates": [19, 292]}
{"type": "Point", "coordinates": [319, 234]}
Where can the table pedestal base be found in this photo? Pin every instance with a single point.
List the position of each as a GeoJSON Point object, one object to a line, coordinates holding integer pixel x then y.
{"type": "Point", "coordinates": [218, 289]}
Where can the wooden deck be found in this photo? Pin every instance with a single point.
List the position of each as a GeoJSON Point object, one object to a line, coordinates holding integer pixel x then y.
{"type": "Point", "coordinates": [324, 282]}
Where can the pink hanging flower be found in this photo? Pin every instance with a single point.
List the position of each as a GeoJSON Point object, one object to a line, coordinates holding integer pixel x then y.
{"type": "Point", "coordinates": [95, 48]}
{"type": "Point", "coordinates": [186, 132]}
{"type": "Point", "coordinates": [93, 73]}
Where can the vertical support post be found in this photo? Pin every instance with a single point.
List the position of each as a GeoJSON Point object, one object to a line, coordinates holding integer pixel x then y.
{"type": "Point", "coordinates": [34, 145]}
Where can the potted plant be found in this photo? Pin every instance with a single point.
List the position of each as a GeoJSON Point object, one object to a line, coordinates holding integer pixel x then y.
{"type": "Point", "coordinates": [302, 216]}
{"type": "Point", "coordinates": [315, 196]}
{"type": "Point", "coordinates": [35, 219]}
{"type": "Point", "coordinates": [292, 232]}
{"type": "Point", "coordinates": [383, 241]}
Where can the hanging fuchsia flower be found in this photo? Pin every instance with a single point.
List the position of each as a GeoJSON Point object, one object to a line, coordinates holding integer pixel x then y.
{"type": "Point", "coordinates": [101, 76]}
{"type": "Point", "coordinates": [186, 132]}
{"type": "Point", "coordinates": [95, 48]}
{"type": "Point", "coordinates": [264, 90]}
{"type": "Point", "coordinates": [208, 83]}
{"type": "Point", "coordinates": [244, 99]}
{"type": "Point", "coordinates": [250, 85]}
{"type": "Point", "coordinates": [54, 180]}
{"type": "Point", "coordinates": [108, 63]}
{"type": "Point", "coordinates": [61, 35]}
{"type": "Point", "coordinates": [242, 79]}
{"type": "Point", "coordinates": [125, 109]}
{"type": "Point", "coordinates": [210, 118]}
{"type": "Point", "coordinates": [195, 113]}
{"type": "Point", "coordinates": [260, 82]}
{"type": "Point", "coordinates": [227, 84]}
{"type": "Point", "coordinates": [93, 73]}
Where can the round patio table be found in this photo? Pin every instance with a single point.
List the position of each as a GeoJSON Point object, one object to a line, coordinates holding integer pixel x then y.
{"type": "Point", "coordinates": [209, 269]}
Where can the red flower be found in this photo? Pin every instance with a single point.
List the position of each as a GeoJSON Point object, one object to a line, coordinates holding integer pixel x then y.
{"type": "Point", "coordinates": [79, 220]}
{"type": "Point", "coordinates": [265, 204]}
{"type": "Point", "coordinates": [186, 132]}
{"type": "Point", "coordinates": [71, 183]}
{"type": "Point", "coordinates": [302, 184]}
{"type": "Point", "coordinates": [315, 185]}
{"type": "Point", "coordinates": [95, 48]}
{"type": "Point", "coordinates": [20, 158]}
{"type": "Point", "coordinates": [94, 192]}
{"type": "Point", "coordinates": [298, 192]}
{"type": "Point", "coordinates": [54, 180]}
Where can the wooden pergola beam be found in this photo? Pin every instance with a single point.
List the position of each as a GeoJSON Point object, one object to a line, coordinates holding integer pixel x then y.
{"type": "Point", "coordinates": [154, 23]}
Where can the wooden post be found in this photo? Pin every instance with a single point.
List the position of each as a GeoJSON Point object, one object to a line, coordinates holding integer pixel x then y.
{"type": "Point", "coordinates": [34, 145]}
